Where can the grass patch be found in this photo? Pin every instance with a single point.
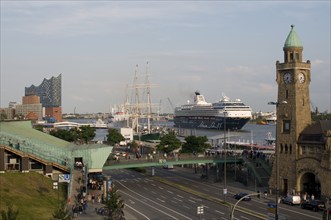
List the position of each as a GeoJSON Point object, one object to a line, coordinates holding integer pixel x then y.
{"type": "Point", "coordinates": [30, 193]}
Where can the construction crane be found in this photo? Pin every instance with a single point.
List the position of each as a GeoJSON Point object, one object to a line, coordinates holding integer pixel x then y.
{"type": "Point", "coordinates": [171, 105]}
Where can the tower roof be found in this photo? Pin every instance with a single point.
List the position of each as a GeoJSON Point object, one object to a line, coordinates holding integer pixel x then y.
{"type": "Point", "coordinates": [292, 39]}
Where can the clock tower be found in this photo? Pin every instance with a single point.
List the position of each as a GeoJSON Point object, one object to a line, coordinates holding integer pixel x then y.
{"type": "Point", "coordinates": [293, 111]}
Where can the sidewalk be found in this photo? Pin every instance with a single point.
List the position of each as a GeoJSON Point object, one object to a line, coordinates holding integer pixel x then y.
{"type": "Point", "coordinates": [91, 214]}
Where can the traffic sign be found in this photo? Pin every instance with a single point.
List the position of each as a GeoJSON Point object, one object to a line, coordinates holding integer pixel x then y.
{"type": "Point", "coordinates": [200, 210]}
{"type": "Point", "coordinates": [64, 178]}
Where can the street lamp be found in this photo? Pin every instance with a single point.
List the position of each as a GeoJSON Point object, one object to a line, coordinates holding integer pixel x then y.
{"type": "Point", "coordinates": [277, 157]}
{"type": "Point", "coordinates": [224, 147]}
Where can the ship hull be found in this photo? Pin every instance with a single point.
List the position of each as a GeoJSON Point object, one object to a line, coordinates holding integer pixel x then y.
{"type": "Point", "coordinates": [210, 122]}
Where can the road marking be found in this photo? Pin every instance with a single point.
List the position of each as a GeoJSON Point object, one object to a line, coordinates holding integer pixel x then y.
{"type": "Point", "coordinates": [243, 217]}
{"type": "Point", "coordinates": [152, 206]}
{"type": "Point", "coordinates": [153, 184]}
{"type": "Point", "coordinates": [178, 199]}
{"type": "Point", "coordinates": [180, 196]}
{"type": "Point", "coordinates": [197, 199]}
{"type": "Point", "coordinates": [163, 197]}
{"type": "Point", "coordinates": [219, 212]}
{"type": "Point", "coordinates": [160, 187]}
{"type": "Point", "coordinates": [160, 200]}
{"type": "Point", "coordinates": [170, 192]}
{"type": "Point", "coordinates": [153, 192]}
{"type": "Point", "coordinates": [126, 205]}
{"type": "Point", "coordinates": [191, 200]}
{"type": "Point", "coordinates": [131, 201]}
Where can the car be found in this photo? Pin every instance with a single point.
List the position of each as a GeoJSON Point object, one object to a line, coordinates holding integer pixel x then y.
{"type": "Point", "coordinates": [291, 200]}
{"type": "Point", "coordinates": [241, 195]}
{"type": "Point", "coordinates": [315, 205]}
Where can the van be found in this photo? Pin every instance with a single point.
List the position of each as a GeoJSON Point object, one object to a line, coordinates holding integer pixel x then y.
{"type": "Point", "coordinates": [291, 200]}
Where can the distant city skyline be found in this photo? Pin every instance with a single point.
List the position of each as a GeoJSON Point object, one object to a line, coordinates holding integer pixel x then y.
{"type": "Point", "coordinates": [215, 47]}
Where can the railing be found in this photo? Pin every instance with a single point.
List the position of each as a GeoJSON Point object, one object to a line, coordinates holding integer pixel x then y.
{"type": "Point", "coordinates": [23, 146]}
{"type": "Point", "coordinates": [173, 160]}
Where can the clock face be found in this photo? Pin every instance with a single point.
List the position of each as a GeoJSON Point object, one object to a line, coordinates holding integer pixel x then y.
{"type": "Point", "coordinates": [301, 78]}
{"type": "Point", "coordinates": [288, 78]}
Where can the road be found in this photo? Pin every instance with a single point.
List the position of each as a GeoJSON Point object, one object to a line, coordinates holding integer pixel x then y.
{"type": "Point", "coordinates": [146, 197]}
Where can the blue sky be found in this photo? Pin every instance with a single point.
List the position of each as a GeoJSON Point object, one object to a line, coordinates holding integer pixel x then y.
{"type": "Point", "coordinates": [215, 47]}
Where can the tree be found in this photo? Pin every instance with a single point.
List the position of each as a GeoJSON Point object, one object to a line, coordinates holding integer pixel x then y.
{"type": "Point", "coordinates": [114, 137]}
{"type": "Point", "coordinates": [195, 144]}
{"type": "Point", "coordinates": [63, 134]}
{"type": "Point", "coordinates": [86, 133]}
{"type": "Point", "coordinates": [62, 212]}
{"type": "Point", "coordinates": [168, 143]}
{"type": "Point", "coordinates": [115, 205]}
{"type": "Point", "coordinates": [10, 214]}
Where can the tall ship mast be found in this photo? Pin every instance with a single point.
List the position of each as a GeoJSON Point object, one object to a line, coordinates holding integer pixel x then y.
{"type": "Point", "coordinates": [234, 114]}
{"type": "Point", "coordinates": [138, 107]}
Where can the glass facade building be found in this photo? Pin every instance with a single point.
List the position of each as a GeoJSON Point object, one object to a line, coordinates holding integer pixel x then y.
{"type": "Point", "coordinates": [49, 91]}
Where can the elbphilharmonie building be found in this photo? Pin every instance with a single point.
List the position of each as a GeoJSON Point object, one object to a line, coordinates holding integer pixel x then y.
{"type": "Point", "coordinates": [49, 91]}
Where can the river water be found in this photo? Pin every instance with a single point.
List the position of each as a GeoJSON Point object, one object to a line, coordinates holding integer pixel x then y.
{"type": "Point", "coordinates": [251, 132]}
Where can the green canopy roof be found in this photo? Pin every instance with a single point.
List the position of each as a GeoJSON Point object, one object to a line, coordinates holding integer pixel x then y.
{"type": "Point", "coordinates": [51, 148]}
{"type": "Point", "coordinates": [292, 39]}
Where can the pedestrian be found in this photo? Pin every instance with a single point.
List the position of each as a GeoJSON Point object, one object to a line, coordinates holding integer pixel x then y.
{"type": "Point", "coordinates": [312, 197]}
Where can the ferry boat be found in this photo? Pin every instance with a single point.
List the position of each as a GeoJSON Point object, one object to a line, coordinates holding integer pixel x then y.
{"type": "Point", "coordinates": [201, 114]}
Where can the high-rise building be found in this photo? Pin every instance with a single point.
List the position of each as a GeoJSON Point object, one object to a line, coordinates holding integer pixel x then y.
{"type": "Point", "coordinates": [49, 92]}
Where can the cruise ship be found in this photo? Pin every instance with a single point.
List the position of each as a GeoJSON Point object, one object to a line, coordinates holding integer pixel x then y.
{"type": "Point", "coordinates": [201, 114]}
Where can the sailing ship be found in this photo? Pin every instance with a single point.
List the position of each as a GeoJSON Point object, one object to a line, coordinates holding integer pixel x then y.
{"type": "Point", "coordinates": [138, 111]}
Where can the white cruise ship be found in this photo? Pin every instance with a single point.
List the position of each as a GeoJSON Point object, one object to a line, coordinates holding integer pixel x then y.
{"type": "Point", "coordinates": [201, 114]}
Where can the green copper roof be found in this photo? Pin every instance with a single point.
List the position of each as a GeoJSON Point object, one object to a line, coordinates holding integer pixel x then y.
{"type": "Point", "coordinates": [292, 39]}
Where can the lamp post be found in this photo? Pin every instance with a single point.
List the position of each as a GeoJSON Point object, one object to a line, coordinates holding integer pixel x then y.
{"type": "Point", "coordinates": [224, 147]}
{"type": "Point", "coordinates": [277, 158]}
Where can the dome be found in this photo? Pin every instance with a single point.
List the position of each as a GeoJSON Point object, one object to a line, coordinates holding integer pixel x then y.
{"type": "Point", "coordinates": [292, 39]}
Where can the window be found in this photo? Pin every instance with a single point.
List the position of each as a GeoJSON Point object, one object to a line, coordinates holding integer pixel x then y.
{"type": "Point", "coordinates": [286, 94]}
{"type": "Point", "coordinates": [286, 126]}
{"type": "Point", "coordinates": [291, 56]}
{"type": "Point", "coordinates": [296, 56]}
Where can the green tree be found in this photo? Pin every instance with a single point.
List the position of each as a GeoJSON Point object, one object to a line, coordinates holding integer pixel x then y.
{"type": "Point", "coordinates": [10, 214]}
{"type": "Point", "coordinates": [62, 212]}
{"type": "Point", "coordinates": [63, 134]}
{"type": "Point", "coordinates": [195, 144]}
{"type": "Point", "coordinates": [86, 133]}
{"type": "Point", "coordinates": [168, 143]}
{"type": "Point", "coordinates": [115, 205]}
{"type": "Point", "coordinates": [114, 136]}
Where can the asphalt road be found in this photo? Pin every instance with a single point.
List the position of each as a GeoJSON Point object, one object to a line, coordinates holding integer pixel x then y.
{"type": "Point", "coordinates": [146, 197]}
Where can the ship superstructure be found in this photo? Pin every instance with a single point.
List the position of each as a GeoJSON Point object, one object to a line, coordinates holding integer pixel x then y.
{"type": "Point", "coordinates": [234, 114]}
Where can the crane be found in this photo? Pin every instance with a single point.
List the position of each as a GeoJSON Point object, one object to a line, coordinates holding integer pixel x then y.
{"type": "Point", "coordinates": [171, 105]}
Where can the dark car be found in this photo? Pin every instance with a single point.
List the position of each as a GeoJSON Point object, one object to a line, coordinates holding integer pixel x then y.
{"type": "Point", "coordinates": [241, 195]}
{"type": "Point", "coordinates": [314, 205]}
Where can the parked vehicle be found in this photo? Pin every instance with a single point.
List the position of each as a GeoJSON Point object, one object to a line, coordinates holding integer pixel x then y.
{"type": "Point", "coordinates": [241, 195]}
{"type": "Point", "coordinates": [291, 200]}
{"type": "Point", "coordinates": [315, 205]}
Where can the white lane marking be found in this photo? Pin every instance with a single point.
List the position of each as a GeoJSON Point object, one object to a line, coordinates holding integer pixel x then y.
{"type": "Point", "coordinates": [160, 187]}
{"type": "Point", "coordinates": [170, 192]}
{"type": "Point", "coordinates": [163, 197]}
{"type": "Point", "coordinates": [153, 184]}
{"type": "Point", "coordinates": [301, 213]}
{"type": "Point", "coordinates": [197, 199]}
{"type": "Point", "coordinates": [160, 200]}
{"type": "Point", "coordinates": [145, 188]}
{"type": "Point", "coordinates": [131, 201]}
{"type": "Point", "coordinates": [132, 191]}
{"type": "Point", "coordinates": [180, 196]}
{"type": "Point", "coordinates": [191, 201]}
{"type": "Point", "coordinates": [153, 192]}
{"type": "Point", "coordinates": [178, 199]}
{"type": "Point", "coordinates": [126, 205]}
{"type": "Point", "coordinates": [224, 218]}
{"type": "Point", "coordinates": [243, 217]}
{"type": "Point", "coordinates": [186, 207]}
{"type": "Point", "coordinates": [219, 212]}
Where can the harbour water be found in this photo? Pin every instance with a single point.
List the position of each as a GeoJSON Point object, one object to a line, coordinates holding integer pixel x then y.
{"type": "Point", "coordinates": [250, 133]}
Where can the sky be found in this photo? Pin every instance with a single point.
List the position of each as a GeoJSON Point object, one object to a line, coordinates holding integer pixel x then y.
{"type": "Point", "coordinates": [215, 47]}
